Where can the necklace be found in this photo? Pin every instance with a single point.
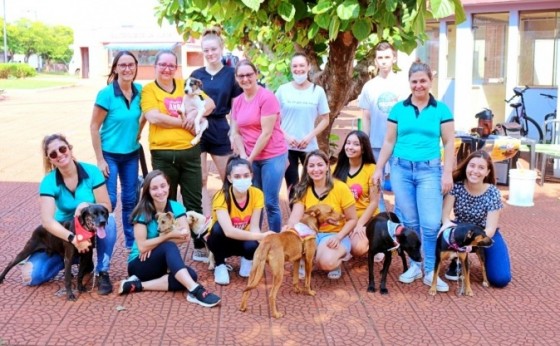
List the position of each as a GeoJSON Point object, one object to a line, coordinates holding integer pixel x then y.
{"type": "Point", "coordinates": [212, 73]}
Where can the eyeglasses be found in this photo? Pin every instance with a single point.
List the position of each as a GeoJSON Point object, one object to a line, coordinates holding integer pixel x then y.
{"type": "Point", "coordinates": [130, 66]}
{"type": "Point", "coordinates": [248, 75]}
{"type": "Point", "coordinates": [163, 66]}
{"type": "Point", "coordinates": [62, 149]}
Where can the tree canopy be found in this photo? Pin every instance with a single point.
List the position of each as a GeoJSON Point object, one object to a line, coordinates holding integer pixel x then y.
{"type": "Point", "coordinates": [337, 35]}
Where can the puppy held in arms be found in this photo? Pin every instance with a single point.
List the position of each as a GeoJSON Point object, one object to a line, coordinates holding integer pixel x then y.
{"type": "Point", "coordinates": [193, 102]}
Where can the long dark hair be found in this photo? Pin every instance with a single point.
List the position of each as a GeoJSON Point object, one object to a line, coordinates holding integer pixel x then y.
{"type": "Point", "coordinates": [343, 164]}
{"type": "Point", "coordinates": [232, 162]}
{"type": "Point", "coordinates": [145, 206]}
{"type": "Point", "coordinates": [460, 173]}
{"type": "Point", "coordinates": [113, 75]}
{"type": "Point", "coordinates": [306, 181]}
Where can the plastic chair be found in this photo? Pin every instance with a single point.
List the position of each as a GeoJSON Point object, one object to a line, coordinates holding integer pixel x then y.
{"type": "Point", "coordinates": [551, 150]}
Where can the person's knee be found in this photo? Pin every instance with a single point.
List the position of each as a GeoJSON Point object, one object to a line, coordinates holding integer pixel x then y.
{"type": "Point", "coordinates": [500, 281]}
{"type": "Point", "coordinates": [359, 249]}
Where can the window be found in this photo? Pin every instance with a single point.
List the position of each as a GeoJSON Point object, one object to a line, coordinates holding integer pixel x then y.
{"type": "Point", "coordinates": [490, 47]}
{"type": "Point", "coordinates": [540, 48]}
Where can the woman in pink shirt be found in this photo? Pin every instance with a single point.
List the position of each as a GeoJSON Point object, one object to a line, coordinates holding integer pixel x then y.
{"type": "Point", "coordinates": [256, 135]}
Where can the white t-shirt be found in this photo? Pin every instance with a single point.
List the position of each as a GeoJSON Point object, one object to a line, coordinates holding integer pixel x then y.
{"type": "Point", "coordinates": [299, 110]}
{"type": "Point", "coordinates": [378, 96]}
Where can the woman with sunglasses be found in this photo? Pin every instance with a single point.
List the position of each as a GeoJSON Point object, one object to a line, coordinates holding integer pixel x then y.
{"type": "Point", "coordinates": [257, 136]}
{"type": "Point", "coordinates": [115, 130]}
{"type": "Point", "coordinates": [67, 188]}
{"type": "Point", "coordinates": [218, 82]}
{"type": "Point", "coordinates": [170, 137]}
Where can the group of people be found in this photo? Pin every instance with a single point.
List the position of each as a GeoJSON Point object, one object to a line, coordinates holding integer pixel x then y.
{"type": "Point", "coordinates": [268, 133]}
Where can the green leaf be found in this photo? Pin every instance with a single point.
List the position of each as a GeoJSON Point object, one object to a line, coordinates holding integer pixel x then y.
{"type": "Point", "coordinates": [460, 15]}
{"type": "Point", "coordinates": [334, 27]}
{"type": "Point", "coordinates": [301, 9]}
{"type": "Point", "coordinates": [200, 3]}
{"type": "Point", "coordinates": [444, 8]}
{"type": "Point", "coordinates": [289, 26]}
{"type": "Point", "coordinates": [322, 7]}
{"type": "Point", "coordinates": [253, 4]}
{"type": "Point", "coordinates": [348, 9]}
{"type": "Point", "coordinates": [361, 29]}
{"type": "Point", "coordinates": [286, 11]}
{"type": "Point", "coordinates": [391, 5]}
{"type": "Point", "coordinates": [323, 20]}
{"type": "Point", "coordinates": [371, 9]}
{"type": "Point", "coordinates": [262, 15]}
{"type": "Point", "coordinates": [313, 29]}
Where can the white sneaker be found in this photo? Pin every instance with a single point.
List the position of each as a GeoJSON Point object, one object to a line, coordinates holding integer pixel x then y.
{"type": "Point", "coordinates": [414, 272]}
{"type": "Point", "coordinates": [200, 255]}
{"type": "Point", "coordinates": [245, 267]}
{"type": "Point", "coordinates": [441, 286]}
{"type": "Point", "coordinates": [378, 257]}
{"type": "Point", "coordinates": [221, 275]}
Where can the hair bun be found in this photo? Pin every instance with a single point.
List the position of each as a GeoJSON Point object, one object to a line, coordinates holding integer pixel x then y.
{"type": "Point", "coordinates": [212, 31]}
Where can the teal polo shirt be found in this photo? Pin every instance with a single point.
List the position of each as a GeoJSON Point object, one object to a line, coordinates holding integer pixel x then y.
{"type": "Point", "coordinates": [419, 132]}
{"type": "Point", "coordinates": [52, 185]}
{"type": "Point", "coordinates": [177, 209]}
{"type": "Point", "coordinates": [119, 130]}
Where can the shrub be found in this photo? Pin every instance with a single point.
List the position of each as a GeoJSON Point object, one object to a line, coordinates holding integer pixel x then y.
{"type": "Point", "coordinates": [16, 70]}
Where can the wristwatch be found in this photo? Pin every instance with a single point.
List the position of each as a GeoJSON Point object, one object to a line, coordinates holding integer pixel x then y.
{"type": "Point", "coordinates": [71, 237]}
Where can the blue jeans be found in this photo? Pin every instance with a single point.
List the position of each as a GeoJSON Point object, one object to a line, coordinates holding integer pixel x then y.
{"type": "Point", "coordinates": [417, 189]}
{"type": "Point", "coordinates": [498, 269]}
{"type": "Point", "coordinates": [46, 267]}
{"type": "Point", "coordinates": [125, 168]}
{"type": "Point", "coordinates": [267, 176]}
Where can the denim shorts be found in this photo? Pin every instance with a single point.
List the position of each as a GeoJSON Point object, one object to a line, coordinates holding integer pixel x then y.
{"type": "Point", "coordinates": [321, 237]}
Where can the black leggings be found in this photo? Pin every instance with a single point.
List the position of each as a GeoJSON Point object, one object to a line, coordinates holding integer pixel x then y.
{"type": "Point", "coordinates": [223, 247]}
{"type": "Point", "coordinates": [164, 259]}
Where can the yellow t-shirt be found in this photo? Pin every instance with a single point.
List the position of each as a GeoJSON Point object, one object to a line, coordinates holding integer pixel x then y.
{"type": "Point", "coordinates": [240, 217]}
{"type": "Point", "coordinates": [153, 97]}
{"type": "Point", "coordinates": [340, 198]}
{"type": "Point", "coordinates": [359, 184]}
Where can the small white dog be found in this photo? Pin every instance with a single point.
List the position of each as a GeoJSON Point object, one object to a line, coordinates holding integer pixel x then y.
{"type": "Point", "coordinates": [192, 101]}
{"type": "Point", "coordinates": [199, 225]}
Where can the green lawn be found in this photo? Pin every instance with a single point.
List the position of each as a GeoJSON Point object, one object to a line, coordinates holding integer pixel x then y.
{"type": "Point", "coordinates": [40, 81]}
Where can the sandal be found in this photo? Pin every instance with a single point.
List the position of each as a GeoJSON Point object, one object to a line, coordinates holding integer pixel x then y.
{"type": "Point", "coordinates": [335, 274]}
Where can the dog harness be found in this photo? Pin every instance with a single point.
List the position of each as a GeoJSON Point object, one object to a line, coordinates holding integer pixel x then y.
{"type": "Point", "coordinates": [303, 231]}
{"type": "Point", "coordinates": [448, 235]}
{"type": "Point", "coordinates": [394, 230]}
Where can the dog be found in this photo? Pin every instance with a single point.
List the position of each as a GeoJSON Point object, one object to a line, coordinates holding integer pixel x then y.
{"type": "Point", "coordinates": [199, 224]}
{"type": "Point", "coordinates": [192, 101]}
{"type": "Point", "coordinates": [91, 222]}
{"type": "Point", "coordinates": [290, 245]}
{"type": "Point", "coordinates": [166, 222]}
{"type": "Point", "coordinates": [459, 240]}
{"type": "Point", "coordinates": [385, 234]}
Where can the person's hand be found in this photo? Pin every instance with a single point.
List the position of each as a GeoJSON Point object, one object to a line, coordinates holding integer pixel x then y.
{"type": "Point", "coordinates": [80, 207]}
{"type": "Point", "coordinates": [145, 255]}
{"type": "Point", "coordinates": [265, 234]}
{"type": "Point", "coordinates": [360, 232]}
{"type": "Point", "coordinates": [188, 121]}
{"type": "Point", "coordinates": [446, 182]}
{"type": "Point", "coordinates": [446, 225]}
{"type": "Point", "coordinates": [333, 243]}
{"type": "Point", "coordinates": [81, 246]}
{"type": "Point", "coordinates": [103, 167]}
{"type": "Point", "coordinates": [181, 234]}
{"type": "Point", "coordinates": [304, 142]}
{"type": "Point", "coordinates": [376, 177]}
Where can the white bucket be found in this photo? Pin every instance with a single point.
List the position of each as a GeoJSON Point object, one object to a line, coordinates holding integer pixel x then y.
{"type": "Point", "coordinates": [521, 187]}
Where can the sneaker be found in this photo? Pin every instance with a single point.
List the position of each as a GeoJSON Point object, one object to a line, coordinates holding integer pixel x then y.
{"type": "Point", "coordinates": [221, 275]}
{"type": "Point", "coordinates": [441, 286]}
{"type": "Point", "coordinates": [201, 296]}
{"type": "Point", "coordinates": [414, 272]}
{"type": "Point", "coordinates": [380, 256]}
{"type": "Point", "coordinates": [105, 286]}
{"type": "Point", "coordinates": [200, 255]}
{"type": "Point", "coordinates": [132, 284]}
{"type": "Point", "coordinates": [245, 267]}
{"type": "Point", "coordinates": [454, 271]}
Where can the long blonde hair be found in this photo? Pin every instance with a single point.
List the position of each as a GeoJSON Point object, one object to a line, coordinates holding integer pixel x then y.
{"type": "Point", "coordinates": [47, 164]}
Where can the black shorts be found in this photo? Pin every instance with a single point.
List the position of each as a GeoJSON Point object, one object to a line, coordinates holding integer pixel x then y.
{"type": "Point", "coordinates": [215, 140]}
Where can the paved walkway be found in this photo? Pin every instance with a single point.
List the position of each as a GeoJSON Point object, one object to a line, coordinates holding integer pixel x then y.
{"type": "Point", "coordinates": [342, 313]}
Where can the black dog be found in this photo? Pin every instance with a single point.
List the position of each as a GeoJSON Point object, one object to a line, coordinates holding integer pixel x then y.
{"type": "Point", "coordinates": [459, 240]}
{"type": "Point", "coordinates": [385, 234]}
{"type": "Point", "coordinates": [92, 220]}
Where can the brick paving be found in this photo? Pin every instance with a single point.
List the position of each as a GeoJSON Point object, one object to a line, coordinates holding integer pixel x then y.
{"type": "Point", "coordinates": [342, 312]}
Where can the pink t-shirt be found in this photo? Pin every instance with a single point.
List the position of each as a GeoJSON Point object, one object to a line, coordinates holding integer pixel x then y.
{"type": "Point", "coordinates": [248, 115]}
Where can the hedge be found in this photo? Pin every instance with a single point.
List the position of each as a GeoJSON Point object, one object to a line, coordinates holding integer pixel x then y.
{"type": "Point", "coordinates": [16, 70]}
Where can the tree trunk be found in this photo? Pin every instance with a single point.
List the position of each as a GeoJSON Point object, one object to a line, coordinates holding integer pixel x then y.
{"type": "Point", "coordinates": [336, 79]}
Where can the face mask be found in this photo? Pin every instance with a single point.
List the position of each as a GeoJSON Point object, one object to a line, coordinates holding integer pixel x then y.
{"type": "Point", "coordinates": [242, 185]}
{"type": "Point", "coordinates": [299, 78]}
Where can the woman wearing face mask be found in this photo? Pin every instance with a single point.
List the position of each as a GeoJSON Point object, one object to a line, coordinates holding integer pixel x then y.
{"type": "Point", "coordinates": [236, 213]}
{"type": "Point", "coordinates": [301, 102]}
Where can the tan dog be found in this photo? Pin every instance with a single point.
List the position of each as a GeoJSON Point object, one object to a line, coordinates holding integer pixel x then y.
{"type": "Point", "coordinates": [192, 101]}
{"type": "Point", "coordinates": [291, 245]}
{"type": "Point", "coordinates": [166, 222]}
{"type": "Point", "coordinates": [199, 225]}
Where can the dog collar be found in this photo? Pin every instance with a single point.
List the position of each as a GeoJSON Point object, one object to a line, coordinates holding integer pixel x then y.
{"type": "Point", "coordinates": [82, 234]}
{"type": "Point", "coordinates": [449, 238]}
{"type": "Point", "coordinates": [394, 229]}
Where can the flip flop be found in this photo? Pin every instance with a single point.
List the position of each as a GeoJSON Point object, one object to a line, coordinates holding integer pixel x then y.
{"type": "Point", "coordinates": [335, 274]}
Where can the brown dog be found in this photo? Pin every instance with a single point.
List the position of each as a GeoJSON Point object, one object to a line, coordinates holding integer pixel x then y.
{"type": "Point", "coordinates": [459, 240]}
{"type": "Point", "coordinates": [289, 246]}
{"type": "Point", "coordinates": [166, 222]}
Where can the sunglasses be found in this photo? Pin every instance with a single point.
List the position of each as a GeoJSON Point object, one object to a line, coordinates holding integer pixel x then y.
{"type": "Point", "coordinates": [62, 149]}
